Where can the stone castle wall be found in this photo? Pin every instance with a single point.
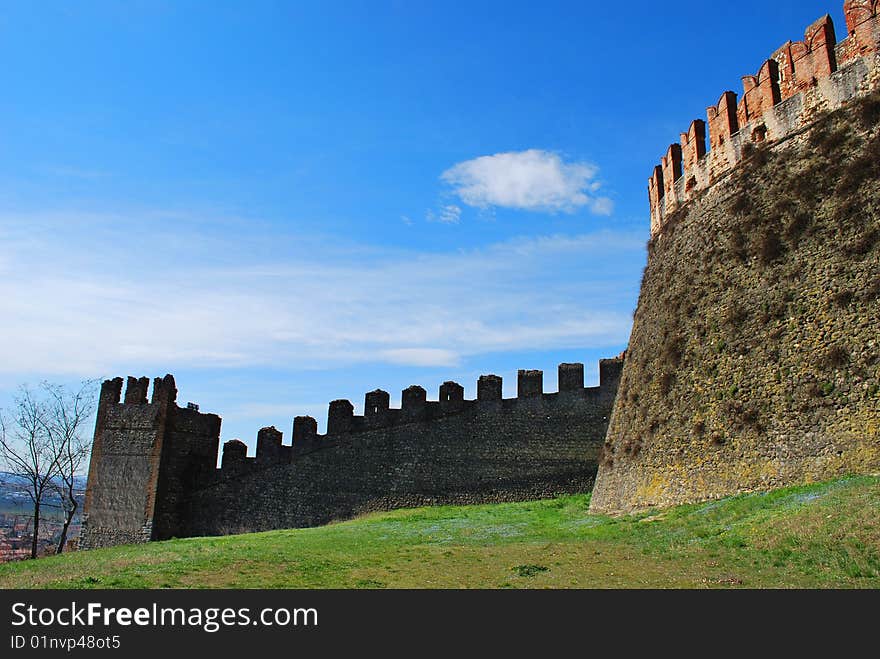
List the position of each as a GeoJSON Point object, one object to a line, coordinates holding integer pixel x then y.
{"type": "Point", "coordinates": [754, 360]}
{"type": "Point", "coordinates": [799, 82]}
{"type": "Point", "coordinates": [144, 455]}
{"type": "Point", "coordinates": [153, 472]}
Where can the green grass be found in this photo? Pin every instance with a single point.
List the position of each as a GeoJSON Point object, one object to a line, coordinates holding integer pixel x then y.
{"type": "Point", "coordinates": [824, 535]}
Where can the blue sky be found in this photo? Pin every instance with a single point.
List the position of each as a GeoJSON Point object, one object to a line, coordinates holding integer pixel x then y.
{"type": "Point", "coordinates": [284, 203]}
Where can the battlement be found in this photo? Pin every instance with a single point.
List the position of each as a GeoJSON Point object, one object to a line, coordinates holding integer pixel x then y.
{"type": "Point", "coordinates": [799, 81]}
{"type": "Point", "coordinates": [154, 473]}
{"type": "Point", "coordinates": [343, 423]}
{"type": "Point", "coordinates": [146, 455]}
{"type": "Point", "coordinates": [136, 389]}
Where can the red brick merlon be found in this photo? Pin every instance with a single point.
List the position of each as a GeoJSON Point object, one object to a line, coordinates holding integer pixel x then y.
{"type": "Point", "coordinates": [800, 81]}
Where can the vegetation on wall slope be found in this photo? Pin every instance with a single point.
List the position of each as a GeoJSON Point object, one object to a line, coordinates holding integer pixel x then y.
{"type": "Point", "coordinates": [754, 360]}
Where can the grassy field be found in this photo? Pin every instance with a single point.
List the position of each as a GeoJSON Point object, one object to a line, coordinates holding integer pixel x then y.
{"type": "Point", "coordinates": [824, 535]}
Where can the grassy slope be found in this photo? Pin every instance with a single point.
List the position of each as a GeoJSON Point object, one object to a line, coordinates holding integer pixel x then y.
{"type": "Point", "coordinates": [825, 535]}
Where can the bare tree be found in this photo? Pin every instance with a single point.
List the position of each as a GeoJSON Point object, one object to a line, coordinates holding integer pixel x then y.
{"type": "Point", "coordinates": [28, 452]}
{"type": "Point", "coordinates": [42, 444]}
{"type": "Point", "coordinates": [68, 414]}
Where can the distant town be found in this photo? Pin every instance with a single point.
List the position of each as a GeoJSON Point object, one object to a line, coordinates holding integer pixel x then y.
{"type": "Point", "coordinates": [16, 520]}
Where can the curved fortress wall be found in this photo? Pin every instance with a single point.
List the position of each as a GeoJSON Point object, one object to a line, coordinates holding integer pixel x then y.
{"type": "Point", "coordinates": [754, 360]}
{"type": "Point", "coordinates": [800, 81]}
{"type": "Point", "coordinates": [153, 474]}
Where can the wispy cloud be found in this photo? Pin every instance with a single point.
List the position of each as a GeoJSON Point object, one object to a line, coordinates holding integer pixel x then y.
{"type": "Point", "coordinates": [422, 357]}
{"type": "Point", "coordinates": [532, 180]}
{"type": "Point", "coordinates": [94, 303]}
{"type": "Point", "coordinates": [263, 410]}
{"type": "Point", "coordinates": [448, 214]}
{"type": "Point", "coordinates": [63, 171]}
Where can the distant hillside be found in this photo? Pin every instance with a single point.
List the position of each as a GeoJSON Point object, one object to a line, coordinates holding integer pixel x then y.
{"type": "Point", "coordinates": [14, 494]}
{"type": "Point", "coordinates": [10, 479]}
{"type": "Point", "coordinates": [825, 535]}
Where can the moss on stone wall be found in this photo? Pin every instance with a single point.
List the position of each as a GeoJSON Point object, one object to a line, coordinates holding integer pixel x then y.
{"type": "Point", "coordinates": [754, 360]}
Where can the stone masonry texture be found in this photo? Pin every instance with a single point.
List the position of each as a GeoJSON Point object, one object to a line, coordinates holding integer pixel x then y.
{"type": "Point", "coordinates": [799, 81]}
{"type": "Point", "coordinates": [153, 473]}
{"type": "Point", "coordinates": [754, 360]}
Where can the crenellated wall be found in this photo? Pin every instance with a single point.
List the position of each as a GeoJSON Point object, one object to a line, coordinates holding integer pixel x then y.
{"type": "Point", "coordinates": [800, 81]}
{"type": "Point", "coordinates": [146, 457]}
{"type": "Point", "coordinates": [754, 358]}
{"type": "Point", "coordinates": [449, 450]}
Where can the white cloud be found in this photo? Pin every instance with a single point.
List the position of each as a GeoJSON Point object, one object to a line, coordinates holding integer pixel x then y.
{"type": "Point", "coordinates": [602, 206]}
{"type": "Point", "coordinates": [422, 357]}
{"type": "Point", "coordinates": [532, 180]}
{"type": "Point", "coordinates": [263, 410]}
{"type": "Point", "coordinates": [76, 172]}
{"type": "Point", "coordinates": [111, 300]}
{"type": "Point", "coordinates": [449, 214]}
